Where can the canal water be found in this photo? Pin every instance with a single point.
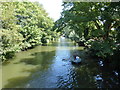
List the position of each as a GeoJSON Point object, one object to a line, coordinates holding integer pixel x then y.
{"type": "Point", "coordinates": [50, 67]}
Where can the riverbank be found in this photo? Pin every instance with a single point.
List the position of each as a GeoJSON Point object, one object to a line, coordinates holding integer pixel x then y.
{"type": "Point", "coordinates": [11, 55]}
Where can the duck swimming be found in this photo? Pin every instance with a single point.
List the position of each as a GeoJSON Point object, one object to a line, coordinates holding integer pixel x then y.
{"type": "Point", "coordinates": [98, 78]}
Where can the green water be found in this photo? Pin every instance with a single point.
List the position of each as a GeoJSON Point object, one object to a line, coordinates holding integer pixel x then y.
{"type": "Point", "coordinates": [43, 67]}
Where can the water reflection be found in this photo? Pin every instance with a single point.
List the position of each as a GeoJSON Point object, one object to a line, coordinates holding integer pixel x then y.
{"type": "Point", "coordinates": [25, 64]}
{"type": "Point", "coordinates": [62, 74]}
{"type": "Point", "coordinates": [44, 67]}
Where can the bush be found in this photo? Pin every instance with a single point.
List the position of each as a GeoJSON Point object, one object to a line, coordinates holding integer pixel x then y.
{"type": "Point", "coordinates": [102, 49]}
{"type": "Point", "coordinates": [9, 54]}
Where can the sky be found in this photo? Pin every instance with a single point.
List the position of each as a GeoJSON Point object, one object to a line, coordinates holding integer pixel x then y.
{"type": "Point", "coordinates": [52, 7]}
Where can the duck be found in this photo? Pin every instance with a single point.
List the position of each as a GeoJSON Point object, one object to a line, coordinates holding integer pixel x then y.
{"type": "Point", "coordinates": [77, 60]}
{"type": "Point", "coordinates": [98, 78]}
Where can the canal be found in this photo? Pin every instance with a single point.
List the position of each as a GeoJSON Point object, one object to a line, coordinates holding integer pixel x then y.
{"type": "Point", "coordinates": [50, 67]}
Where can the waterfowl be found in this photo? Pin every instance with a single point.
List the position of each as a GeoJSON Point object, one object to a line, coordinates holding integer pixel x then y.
{"type": "Point", "coordinates": [76, 61]}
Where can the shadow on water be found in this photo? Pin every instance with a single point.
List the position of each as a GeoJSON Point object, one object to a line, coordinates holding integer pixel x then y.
{"type": "Point", "coordinates": [61, 73]}
{"type": "Point", "coordinates": [41, 59]}
{"type": "Point", "coordinates": [51, 71]}
{"type": "Point", "coordinates": [17, 82]}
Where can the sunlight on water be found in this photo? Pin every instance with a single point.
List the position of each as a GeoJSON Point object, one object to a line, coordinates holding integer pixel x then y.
{"type": "Point", "coordinates": [43, 67]}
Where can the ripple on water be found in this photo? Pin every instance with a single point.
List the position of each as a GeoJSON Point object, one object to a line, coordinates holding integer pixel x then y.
{"type": "Point", "coordinates": [49, 70]}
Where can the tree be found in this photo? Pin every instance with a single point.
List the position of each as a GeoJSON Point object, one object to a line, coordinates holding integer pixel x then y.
{"type": "Point", "coordinates": [24, 25]}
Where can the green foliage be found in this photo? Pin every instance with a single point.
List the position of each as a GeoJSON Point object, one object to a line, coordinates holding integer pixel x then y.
{"type": "Point", "coordinates": [10, 42]}
{"type": "Point", "coordinates": [97, 33]}
{"type": "Point", "coordinates": [24, 25]}
{"type": "Point", "coordinates": [97, 24]}
{"type": "Point", "coordinates": [102, 49]}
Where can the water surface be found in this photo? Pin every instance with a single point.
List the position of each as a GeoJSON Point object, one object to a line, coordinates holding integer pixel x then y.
{"type": "Point", "coordinates": [44, 67]}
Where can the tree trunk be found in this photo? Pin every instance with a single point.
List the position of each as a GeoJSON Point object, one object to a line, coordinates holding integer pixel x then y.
{"type": "Point", "coordinates": [107, 27]}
